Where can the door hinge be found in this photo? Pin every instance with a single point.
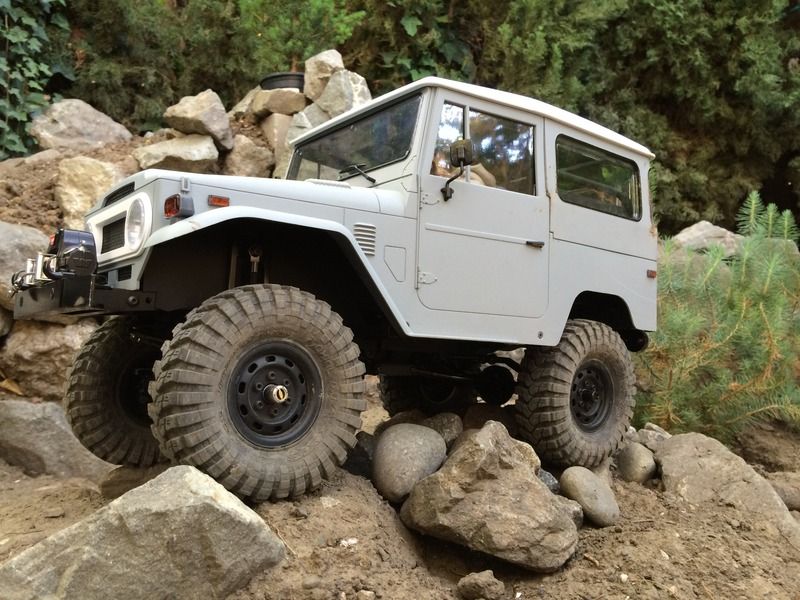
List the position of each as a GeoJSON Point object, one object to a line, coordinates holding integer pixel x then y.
{"type": "Point", "coordinates": [426, 198]}
{"type": "Point", "coordinates": [423, 277]}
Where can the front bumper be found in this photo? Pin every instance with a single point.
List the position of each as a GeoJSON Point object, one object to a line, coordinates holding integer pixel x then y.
{"type": "Point", "coordinates": [64, 281]}
{"type": "Point", "coordinates": [80, 296]}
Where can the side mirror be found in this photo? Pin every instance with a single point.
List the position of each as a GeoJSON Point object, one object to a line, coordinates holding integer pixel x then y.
{"type": "Point", "coordinates": [461, 153]}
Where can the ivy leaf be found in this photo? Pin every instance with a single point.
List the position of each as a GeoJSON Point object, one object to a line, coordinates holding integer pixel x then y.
{"type": "Point", "coordinates": [60, 21]}
{"type": "Point", "coordinates": [410, 24]}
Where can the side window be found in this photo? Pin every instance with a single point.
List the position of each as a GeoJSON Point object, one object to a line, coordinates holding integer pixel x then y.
{"type": "Point", "coordinates": [505, 152]}
{"type": "Point", "coordinates": [596, 179]}
{"type": "Point", "coordinates": [504, 149]}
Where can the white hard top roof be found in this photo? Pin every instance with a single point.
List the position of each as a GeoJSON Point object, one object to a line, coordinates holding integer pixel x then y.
{"type": "Point", "coordinates": [517, 101]}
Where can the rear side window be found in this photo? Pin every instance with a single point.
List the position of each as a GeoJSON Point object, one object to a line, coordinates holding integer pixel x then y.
{"type": "Point", "coordinates": [597, 179]}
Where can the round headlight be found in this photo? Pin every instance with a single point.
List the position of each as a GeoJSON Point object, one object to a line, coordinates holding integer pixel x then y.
{"type": "Point", "coordinates": [135, 225]}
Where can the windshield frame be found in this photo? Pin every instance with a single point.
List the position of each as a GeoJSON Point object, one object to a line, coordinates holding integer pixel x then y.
{"type": "Point", "coordinates": [294, 165]}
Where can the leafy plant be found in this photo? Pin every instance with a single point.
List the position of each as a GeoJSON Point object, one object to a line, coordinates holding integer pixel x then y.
{"type": "Point", "coordinates": [284, 33]}
{"type": "Point", "coordinates": [23, 72]}
{"type": "Point", "coordinates": [727, 352]}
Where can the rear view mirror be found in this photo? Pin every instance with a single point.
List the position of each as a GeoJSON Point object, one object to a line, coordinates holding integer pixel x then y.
{"type": "Point", "coordinates": [461, 152]}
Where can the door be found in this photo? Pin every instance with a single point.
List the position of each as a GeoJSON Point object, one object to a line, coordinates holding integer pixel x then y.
{"type": "Point", "coordinates": [485, 250]}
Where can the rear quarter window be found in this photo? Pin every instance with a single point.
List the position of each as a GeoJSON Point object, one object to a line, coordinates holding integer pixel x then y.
{"type": "Point", "coordinates": [597, 179]}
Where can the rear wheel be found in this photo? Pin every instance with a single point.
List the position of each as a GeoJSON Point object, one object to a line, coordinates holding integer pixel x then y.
{"type": "Point", "coordinates": [262, 388]}
{"type": "Point", "coordinates": [575, 400]}
{"type": "Point", "coordinates": [106, 400]}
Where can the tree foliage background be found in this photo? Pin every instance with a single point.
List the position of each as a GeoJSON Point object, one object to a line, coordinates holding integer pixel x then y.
{"type": "Point", "coordinates": [711, 87]}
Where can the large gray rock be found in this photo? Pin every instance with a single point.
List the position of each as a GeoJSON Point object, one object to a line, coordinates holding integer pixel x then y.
{"type": "Point", "coordinates": [243, 106]}
{"type": "Point", "coordinates": [81, 181]}
{"type": "Point", "coordinates": [592, 493]}
{"type": "Point", "coordinates": [636, 463]}
{"type": "Point", "coordinates": [37, 355]}
{"type": "Point", "coordinates": [75, 124]}
{"type": "Point", "coordinates": [345, 90]}
{"type": "Point", "coordinates": [37, 438]}
{"type": "Point", "coordinates": [274, 128]}
{"type": "Point", "coordinates": [318, 71]}
{"type": "Point", "coordinates": [787, 485]}
{"type": "Point", "coordinates": [285, 101]}
{"type": "Point", "coordinates": [481, 585]}
{"type": "Point", "coordinates": [180, 536]}
{"type": "Point", "coordinates": [248, 159]}
{"type": "Point", "coordinates": [203, 114]}
{"type": "Point", "coordinates": [17, 243]}
{"type": "Point", "coordinates": [650, 436]}
{"type": "Point", "coordinates": [194, 153]}
{"type": "Point", "coordinates": [404, 454]}
{"type": "Point", "coordinates": [312, 116]}
{"type": "Point", "coordinates": [703, 235]}
{"type": "Point", "coordinates": [487, 497]}
{"type": "Point", "coordinates": [700, 469]}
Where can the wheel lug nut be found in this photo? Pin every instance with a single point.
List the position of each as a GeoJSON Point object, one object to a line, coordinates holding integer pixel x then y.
{"type": "Point", "coordinates": [259, 405]}
{"type": "Point", "coordinates": [272, 375]}
{"type": "Point", "coordinates": [259, 386]}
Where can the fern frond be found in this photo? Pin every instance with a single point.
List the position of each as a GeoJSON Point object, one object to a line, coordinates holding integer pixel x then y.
{"type": "Point", "coordinates": [749, 215]}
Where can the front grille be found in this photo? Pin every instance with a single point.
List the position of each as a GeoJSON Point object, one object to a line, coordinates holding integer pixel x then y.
{"type": "Point", "coordinates": [113, 236]}
{"type": "Point", "coordinates": [118, 194]}
{"type": "Point", "coordinates": [124, 273]}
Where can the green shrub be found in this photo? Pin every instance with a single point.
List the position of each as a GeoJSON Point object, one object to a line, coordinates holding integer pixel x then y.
{"type": "Point", "coordinates": [727, 352]}
{"type": "Point", "coordinates": [24, 71]}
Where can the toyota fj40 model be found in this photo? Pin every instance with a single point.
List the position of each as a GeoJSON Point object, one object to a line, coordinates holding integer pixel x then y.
{"type": "Point", "coordinates": [415, 237]}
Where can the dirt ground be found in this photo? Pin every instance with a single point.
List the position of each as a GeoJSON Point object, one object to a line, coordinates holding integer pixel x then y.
{"type": "Point", "coordinates": [345, 538]}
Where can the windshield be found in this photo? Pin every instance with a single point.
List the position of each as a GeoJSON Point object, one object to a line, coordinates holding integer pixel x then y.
{"type": "Point", "coordinates": [358, 147]}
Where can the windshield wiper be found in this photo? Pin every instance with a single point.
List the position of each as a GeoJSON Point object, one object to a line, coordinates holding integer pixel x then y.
{"type": "Point", "coordinates": [357, 168]}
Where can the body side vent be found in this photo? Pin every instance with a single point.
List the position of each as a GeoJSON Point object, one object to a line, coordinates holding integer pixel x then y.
{"type": "Point", "coordinates": [365, 234]}
{"type": "Point", "coordinates": [118, 193]}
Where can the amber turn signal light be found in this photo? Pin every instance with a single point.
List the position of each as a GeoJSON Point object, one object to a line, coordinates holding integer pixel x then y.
{"type": "Point", "coordinates": [219, 201]}
{"type": "Point", "coordinates": [178, 206]}
{"type": "Point", "coordinates": [651, 274]}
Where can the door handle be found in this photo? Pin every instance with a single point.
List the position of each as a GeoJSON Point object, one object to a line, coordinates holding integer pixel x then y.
{"type": "Point", "coordinates": [534, 244]}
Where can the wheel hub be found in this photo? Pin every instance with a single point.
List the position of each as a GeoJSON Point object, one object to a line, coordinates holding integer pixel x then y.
{"type": "Point", "coordinates": [274, 394]}
{"type": "Point", "coordinates": [591, 395]}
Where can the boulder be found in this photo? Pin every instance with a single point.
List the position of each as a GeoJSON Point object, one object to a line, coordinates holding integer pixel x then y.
{"type": "Point", "coordinates": [487, 497]}
{"type": "Point", "coordinates": [124, 478]}
{"type": "Point", "coordinates": [81, 181]}
{"type": "Point", "coordinates": [285, 101]}
{"type": "Point", "coordinates": [76, 125]}
{"type": "Point", "coordinates": [194, 153]}
{"type": "Point", "coordinates": [703, 235]}
{"type": "Point", "coordinates": [592, 493]}
{"type": "Point", "coordinates": [312, 116]}
{"type": "Point", "coordinates": [479, 414]}
{"type": "Point", "coordinates": [180, 536]}
{"type": "Point", "coordinates": [37, 438]}
{"type": "Point", "coordinates": [414, 415]}
{"type": "Point", "coordinates": [274, 128]}
{"type": "Point", "coordinates": [248, 159]}
{"type": "Point", "coordinates": [37, 355]}
{"type": "Point", "coordinates": [17, 244]}
{"type": "Point", "coordinates": [404, 454]}
{"type": "Point", "coordinates": [345, 90]}
{"type": "Point", "coordinates": [699, 469]}
{"type": "Point", "coordinates": [571, 508]}
{"type": "Point", "coordinates": [203, 114]}
{"type": "Point", "coordinates": [481, 585]}
{"type": "Point", "coordinates": [243, 106]}
{"type": "Point", "coordinates": [448, 425]}
{"type": "Point", "coordinates": [636, 463]}
{"type": "Point", "coordinates": [6, 322]}
{"type": "Point", "coordinates": [42, 157]}
{"type": "Point", "coordinates": [650, 436]}
{"type": "Point", "coordinates": [318, 71]}
{"type": "Point", "coordinates": [787, 485]}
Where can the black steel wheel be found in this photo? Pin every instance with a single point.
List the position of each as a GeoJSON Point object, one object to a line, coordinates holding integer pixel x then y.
{"type": "Point", "coordinates": [262, 388]}
{"type": "Point", "coordinates": [575, 400]}
{"type": "Point", "coordinates": [430, 395]}
{"type": "Point", "coordinates": [106, 400]}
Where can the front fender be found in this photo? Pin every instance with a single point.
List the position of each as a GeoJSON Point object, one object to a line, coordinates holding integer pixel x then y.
{"type": "Point", "coordinates": [221, 215]}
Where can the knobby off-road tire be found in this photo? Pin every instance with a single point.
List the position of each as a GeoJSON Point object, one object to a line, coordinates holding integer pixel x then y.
{"type": "Point", "coordinates": [575, 400]}
{"type": "Point", "coordinates": [429, 395]}
{"type": "Point", "coordinates": [106, 399]}
{"type": "Point", "coordinates": [218, 403]}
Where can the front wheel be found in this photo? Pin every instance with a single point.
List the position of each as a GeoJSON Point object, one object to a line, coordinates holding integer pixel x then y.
{"type": "Point", "coordinates": [262, 388]}
{"type": "Point", "coordinates": [575, 400]}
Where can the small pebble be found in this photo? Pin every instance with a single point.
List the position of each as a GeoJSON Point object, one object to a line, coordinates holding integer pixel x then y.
{"type": "Point", "coordinates": [623, 577]}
